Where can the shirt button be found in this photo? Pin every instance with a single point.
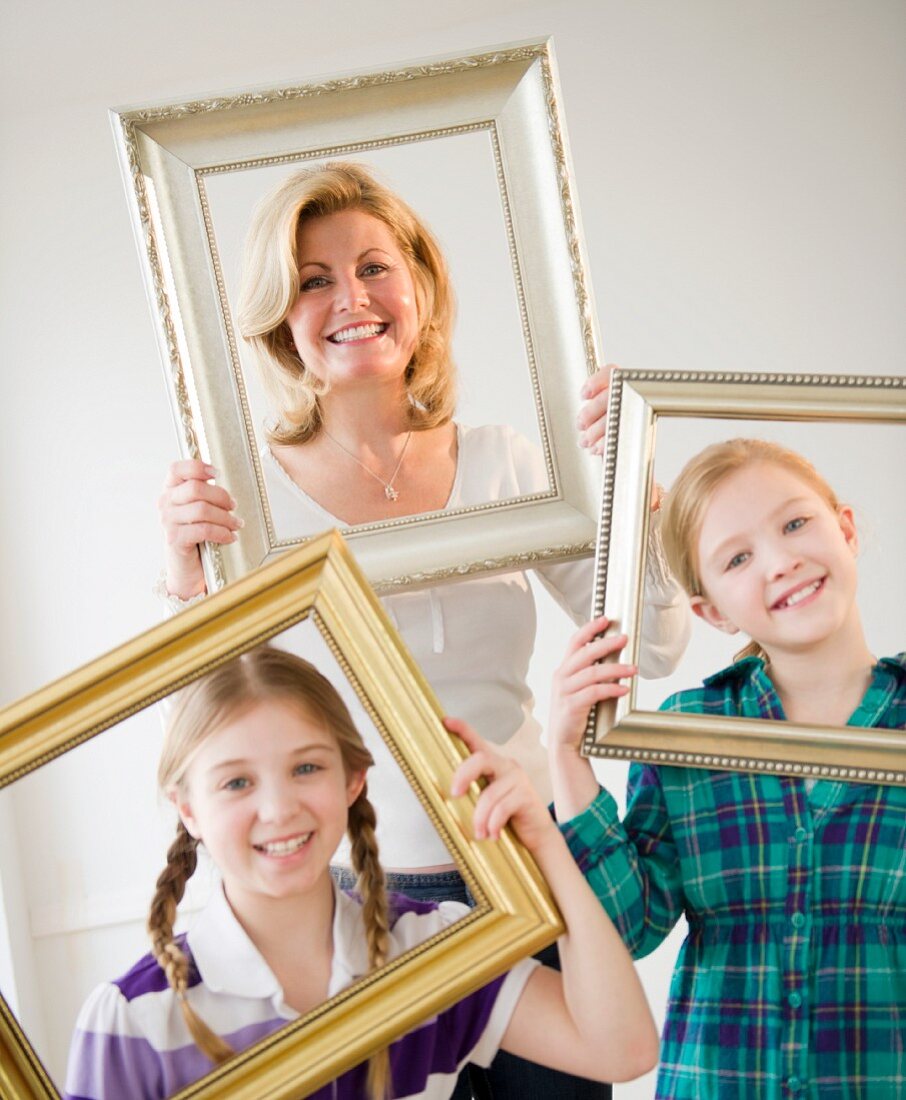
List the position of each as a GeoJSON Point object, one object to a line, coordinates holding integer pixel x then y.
{"type": "Point", "coordinates": [797, 920]}
{"type": "Point", "coordinates": [794, 1084]}
{"type": "Point", "coordinates": [794, 1000]}
{"type": "Point", "coordinates": [800, 835]}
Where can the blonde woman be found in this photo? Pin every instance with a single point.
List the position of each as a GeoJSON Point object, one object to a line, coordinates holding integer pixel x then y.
{"type": "Point", "coordinates": [347, 302]}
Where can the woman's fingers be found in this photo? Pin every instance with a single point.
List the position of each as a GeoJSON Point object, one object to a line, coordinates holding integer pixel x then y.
{"type": "Point", "coordinates": [592, 418]}
{"type": "Point", "coordinates": [597, 383]}
{"type": "Point", "coordinates": [188, 469]}
{"type": "Point", "coordinates": [193, 510]}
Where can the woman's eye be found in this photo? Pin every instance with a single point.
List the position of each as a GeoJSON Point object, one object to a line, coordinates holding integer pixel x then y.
{"type": "Point", "coordinates": [314, 282]}
{"type": "Point", "coordinates": [306, 769]}
{"type": "Point", "coordinates": [373, 269]}
{"type": "Point", "coordinates": [796, 524]}
{"type": "Point", "coordinates": [737, 559]}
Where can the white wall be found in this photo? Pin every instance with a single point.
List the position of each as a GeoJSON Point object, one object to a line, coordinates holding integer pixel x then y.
{"type": "Point", "coordinates": [740, 168]}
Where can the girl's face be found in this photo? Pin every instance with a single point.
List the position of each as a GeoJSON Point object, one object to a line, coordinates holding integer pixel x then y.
{"type": "Point", "coordinates": [775, 560]}
{"type": "Point", "coordinates": [268, 795]}
{"type": "Point", "coordinates": [356, 315]}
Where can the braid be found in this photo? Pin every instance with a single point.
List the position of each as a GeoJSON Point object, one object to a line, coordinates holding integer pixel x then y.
{"type": "Point", "coordinates": [182, 858]}
{"type": "Point", "coordinates": [375, 916]}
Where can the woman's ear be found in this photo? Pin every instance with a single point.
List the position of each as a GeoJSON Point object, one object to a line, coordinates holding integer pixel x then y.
{"type": "Point", "coordinates": [712, 615]}
{"type": "Point", "coordinates": [847, 521]}
{"type": "Point", "coordinates": [185, 812]}
{"type": "Point", "coordinates": [354, 786]}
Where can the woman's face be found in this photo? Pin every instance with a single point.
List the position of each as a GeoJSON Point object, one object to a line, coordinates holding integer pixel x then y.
{"type": "Point", "coordinates": [356, 316]}
{"type": "Point", "coordinates": [775, 560]}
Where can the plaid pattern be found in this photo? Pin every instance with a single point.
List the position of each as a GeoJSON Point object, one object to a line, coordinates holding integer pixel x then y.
{"type": "Point", "coordinates": [792, 980]}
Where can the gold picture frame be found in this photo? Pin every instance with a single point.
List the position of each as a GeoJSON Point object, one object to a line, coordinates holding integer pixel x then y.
{"type": "Point", "coordinates": [621, 729]}
{"type": "Point", "coordinates": [175, 155]}
{"type": "Point", "coordinates": [514, 915]}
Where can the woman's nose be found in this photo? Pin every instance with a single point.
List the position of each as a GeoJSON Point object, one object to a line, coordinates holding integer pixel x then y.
{"type": "Point", "coordinates": [352, 293]}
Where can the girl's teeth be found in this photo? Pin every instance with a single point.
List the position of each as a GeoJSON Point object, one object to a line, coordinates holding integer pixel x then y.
{"type": "Point", "coordinates": [285, 847]}
{"type": "Point", "coordinates": [801, 594]}
{"type": "Point", "coordinates": [359, 332]}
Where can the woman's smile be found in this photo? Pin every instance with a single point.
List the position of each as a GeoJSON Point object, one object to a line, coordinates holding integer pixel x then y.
{"type": "Point", "coordinates": [357, 332]}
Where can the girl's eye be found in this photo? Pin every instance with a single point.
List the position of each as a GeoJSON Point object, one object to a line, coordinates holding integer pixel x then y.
{"type": "Point", "coordinates": [314, 282]}
{"type": "Point", "coordinates": [306, 769]}
{"type": "Point", "coordinates": [795, 524]}
{"type": "Point", "coordinates": [238, 784]}
{"type": "Point", "coordinates": [738, 559]}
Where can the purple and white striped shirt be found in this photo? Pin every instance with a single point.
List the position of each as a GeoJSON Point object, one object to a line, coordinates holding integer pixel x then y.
{"type": "Point", "coordinates": [131, 1042]}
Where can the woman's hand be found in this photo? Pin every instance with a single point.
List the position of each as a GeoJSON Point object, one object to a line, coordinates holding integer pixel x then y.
{"type": "Point", "coordinates": [581, 681]}
{"type": "Point", "coordinates": [193, 511]}
{"type": "Point", "coordinates": [592, 419]}
{"type": "Point", "coordinates": [509, 797]}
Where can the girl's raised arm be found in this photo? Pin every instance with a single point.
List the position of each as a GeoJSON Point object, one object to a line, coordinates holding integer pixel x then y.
{"type": "Point", "coordinates": [592, 1019]}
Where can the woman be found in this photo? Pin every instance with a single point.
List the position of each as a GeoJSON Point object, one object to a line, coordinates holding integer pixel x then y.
{"type": "Point", "coordinates": [347, 302]}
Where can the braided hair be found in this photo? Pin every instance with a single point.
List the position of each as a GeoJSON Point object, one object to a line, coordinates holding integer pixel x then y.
{"type": "Point", "coordinates": [202, 709]}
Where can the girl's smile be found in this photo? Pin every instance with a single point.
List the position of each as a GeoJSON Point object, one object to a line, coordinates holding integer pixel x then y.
{"type": "Point", "coordinates": [800, 594]}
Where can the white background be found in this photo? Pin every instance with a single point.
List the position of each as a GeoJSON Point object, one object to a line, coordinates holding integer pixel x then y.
{"type": "Point", "coordinates": [740, 169]}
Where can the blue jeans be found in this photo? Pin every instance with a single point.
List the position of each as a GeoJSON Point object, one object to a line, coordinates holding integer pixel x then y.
{"type": "Point", "coordinates": [507, 1077]}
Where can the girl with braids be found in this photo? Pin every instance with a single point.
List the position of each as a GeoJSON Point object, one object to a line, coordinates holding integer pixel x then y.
{"type": "Point", "coordinates": [267, 771]}
{"type": "Point", "coordinates": [792, 980]}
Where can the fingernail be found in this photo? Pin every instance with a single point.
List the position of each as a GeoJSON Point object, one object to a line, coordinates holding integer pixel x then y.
{"type": "Point", "coordinates": [210, 470]}
{"type": "Point", "coordinates": [232, 502]}
{"type": "Point", "coordinates": [239, 521]}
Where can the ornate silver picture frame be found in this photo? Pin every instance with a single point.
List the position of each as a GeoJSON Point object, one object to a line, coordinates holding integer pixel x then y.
{"type": "Point", "coordinates": [514, 914]}
{"type": "Point", "coordinates": [864, 421]}
{"type": "Point", "coordinates": [476, 144]}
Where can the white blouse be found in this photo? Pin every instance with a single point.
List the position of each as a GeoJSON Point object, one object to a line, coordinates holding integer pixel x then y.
{"type": "Point", "coordinates": [473, 639]}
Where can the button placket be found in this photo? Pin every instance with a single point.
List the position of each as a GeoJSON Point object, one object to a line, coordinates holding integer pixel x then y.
{"type": "Point", "coordinates": [797, 939]}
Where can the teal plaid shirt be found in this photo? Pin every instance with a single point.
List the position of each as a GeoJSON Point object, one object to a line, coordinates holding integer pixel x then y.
{"type": "Point", "coordinates": [792, 980]}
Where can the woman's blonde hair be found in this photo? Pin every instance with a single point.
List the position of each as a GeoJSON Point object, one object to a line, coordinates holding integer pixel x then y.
{"type": "Point", "coordinates": [684, 508]}
{"type": "Point", "coordinates": [270, 287]}
{"type": "Point", "coordinates": [202, 709]}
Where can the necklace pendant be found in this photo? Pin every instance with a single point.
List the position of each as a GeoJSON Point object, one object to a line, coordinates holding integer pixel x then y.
{"type": "Point", "coordinates": [390, 493]}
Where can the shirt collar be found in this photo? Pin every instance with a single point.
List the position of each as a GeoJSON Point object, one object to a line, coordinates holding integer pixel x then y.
{"type": "Point", "coordinates": [757, 697]}
{"type": "Point", "coordinates": [230, 963]}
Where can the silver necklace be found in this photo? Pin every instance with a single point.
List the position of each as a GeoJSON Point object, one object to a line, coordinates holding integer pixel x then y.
{"type": "Point", "coordinates": [389, 492]}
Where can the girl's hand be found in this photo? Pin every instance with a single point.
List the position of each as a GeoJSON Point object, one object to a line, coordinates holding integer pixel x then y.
{"type": "Point", "coordinates": [581, 681]}
{"type": "Point", "coordinates": [509, 796]}
{"type": "Point", "coordinates": [592, 419]}
{"type": "Point", "coordinates": [192, 511]}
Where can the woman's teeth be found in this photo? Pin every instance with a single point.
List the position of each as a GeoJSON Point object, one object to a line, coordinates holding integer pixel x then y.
{"type": "Point", "coordinates": [357, 332]}
{"type": "Point", "coordinates": [797, 597]}
{"type": "Point", "coordinates": [283, 847]}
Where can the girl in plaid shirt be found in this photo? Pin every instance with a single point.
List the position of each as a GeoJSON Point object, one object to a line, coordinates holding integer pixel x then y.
{"type": "Point", "coordinates": [792, 980]}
